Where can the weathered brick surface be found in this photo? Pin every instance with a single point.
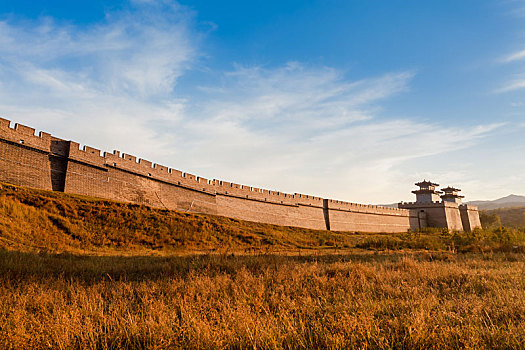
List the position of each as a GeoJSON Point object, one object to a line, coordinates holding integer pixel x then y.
{"type": "Point", "coordinates": [23, 166]}
{"type": "Point", "coordinates": [369, 220]}
{"type": "Point", "coordinates": [24, 157]}
{"type": "Point", "coordinates": [445, 214]}
{"type": "Point", "coordinates": [469, 217]}
{"type": "Point", "coordinates": [308, 216]}
{"type": "Point", "coordinates": [453, 216]}
{"type": "Point", "coordinates": [254, 210]}
{"type": "Point", "coordinates": [271, 212]}
{"type": "Point", "coordinates": [43, 161]}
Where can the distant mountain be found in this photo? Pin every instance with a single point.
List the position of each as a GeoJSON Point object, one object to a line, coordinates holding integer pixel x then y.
{"type": "Point", "coordinates": [511, 201]}
{"type": "Point", "coordinates": [506, 202]}
{"type": "Point", "coordinates": [393, 205]}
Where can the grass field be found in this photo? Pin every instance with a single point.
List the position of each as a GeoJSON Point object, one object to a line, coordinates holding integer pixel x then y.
{"type": "Point", "coordinates": [363, 300]}
{"type": "Point", "coordinates": [79, 272]}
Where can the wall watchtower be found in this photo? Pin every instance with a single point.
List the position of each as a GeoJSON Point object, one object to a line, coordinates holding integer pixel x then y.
{"type": "Point", "coordinates": [435, 210]}
{"type": "Point", "coordinates": [451, 195]}
{"type": "Point", "coordinates": [427, 192]}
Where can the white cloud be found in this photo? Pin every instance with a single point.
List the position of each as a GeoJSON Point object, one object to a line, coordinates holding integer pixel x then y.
{"type": "Point", "coordinates": [517, 7]}
{"type": "Point", "coordinates": [294, 128]}
{"type": "Point", "coordinates": [139, 52]}
{"type": "Point", "coordinates": [101, 84]}
{"type": "Point", "coordinates": [516, 56]}
{"type": "Point", "coordinates": [518, 82]}
{"type": "Point", "coordinates": [512, 85]}
{"type": "Point", "coordinates": [301, 129]}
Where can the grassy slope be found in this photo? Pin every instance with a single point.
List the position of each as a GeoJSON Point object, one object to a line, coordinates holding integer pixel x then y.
{"type": "Point", "coordinates": [33, 220]}
{"type": "Point", "coordinates": [511, 217]}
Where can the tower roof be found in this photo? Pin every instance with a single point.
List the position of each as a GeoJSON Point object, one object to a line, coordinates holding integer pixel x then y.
{"type": "Point", "coordinates": [450, 189]}
{"type": "Point", "coordinates": [451, 192]}
{"type": "Point", "coordinates": [425, 183]}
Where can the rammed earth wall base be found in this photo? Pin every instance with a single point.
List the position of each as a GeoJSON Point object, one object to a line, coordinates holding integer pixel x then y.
{"type": "Point", "coordinates": [45, 162]}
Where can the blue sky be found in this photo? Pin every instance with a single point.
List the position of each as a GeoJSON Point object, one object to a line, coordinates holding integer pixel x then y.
{"type": "Point", "coordinates": [353, 100]}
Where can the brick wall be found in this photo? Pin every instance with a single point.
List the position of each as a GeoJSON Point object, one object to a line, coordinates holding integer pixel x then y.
{"type": "Point", "coordinates": [346, 216]}
{"type": "Point", "coordinates": [25, 157]}
{"type": "Point", "coordinates": [453, 216]}
{"type": "Point", "coordinates": [45, 162]}
{"type": "Point", "coordinates": [469, 217]}
{"type": "Point", "coordinates": [444, 214]}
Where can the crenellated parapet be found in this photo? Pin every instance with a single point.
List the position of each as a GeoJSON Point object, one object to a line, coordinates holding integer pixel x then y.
{"type": "Point", "coordinates": [25, 136]}
{"type": "Point", "coordinates": [308, 200]}
{"type": "Point", "coordinates": [40, 160]}
{"type": "Point", "coordinates": [365, 208]}
{"type": "Point", "coordinates": [125, 162]}
{"type": "Point", "coordinates": [434, 204]}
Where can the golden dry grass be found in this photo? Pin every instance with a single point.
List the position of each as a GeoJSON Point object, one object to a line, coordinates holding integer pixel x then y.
{"type": "Point", "coordinates": [35, 220]}
{"type": "Point", "coordinates": [79, 272]}
{"type": "Point", "coordinates": [362, 300]}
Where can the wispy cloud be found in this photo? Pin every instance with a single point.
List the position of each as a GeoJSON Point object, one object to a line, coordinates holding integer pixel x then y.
{"type": "Point", "coordinates": [299, 97]}
{"type": "Point", "coordinates": [142, 51]}
{"type": "Point", "coordinates": [292, 127]}
{"type": "Point", "coordinates": [518, 80]}
{"type": "Point", "coordinates": [517, 7]}
{"type": "Point", "coordinates": [515, 84]}
{"type": "Point", "coordinates": [516, 56]}
{"type": "Point", "coordinates": [297, 128]}
{"type": "Point", "coordinates": [103, 82]}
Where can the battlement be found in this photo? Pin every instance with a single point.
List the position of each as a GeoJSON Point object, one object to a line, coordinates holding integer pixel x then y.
{"type": "Point", "coordinates": [305, 199]}
{"type": "Point", "coordinates": [342, 205]}
{"type": "Point", "coordinates": [127, 162]}
{"type": "Point", "coordinates": [85, 154]}
{"type": "Point", "coordinates": [25, 135]}
{"type": "Point", "coordinates": [253, 193]}
{"type": "Point", "coordinates": [428, 204]}
{"type": "Point", "coordinates": [139, 166]}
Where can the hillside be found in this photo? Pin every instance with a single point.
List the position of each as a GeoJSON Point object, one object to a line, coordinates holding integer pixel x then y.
{"type": "Point", "coordinates": [510, 201]}
{"type": "Point", "coordinates": [35, 220]}
{"type": "Point", "coordinates": [510, 217]}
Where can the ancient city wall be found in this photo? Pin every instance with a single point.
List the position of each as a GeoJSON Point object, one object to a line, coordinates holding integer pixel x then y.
{"type": "Point", "coordinates": [469, 217]}
{"type": "Point", "coordinates": [453, 216]}
{"type": "Point", "coordinates": [444, 214]}
{"type": "Point", "coordinates": [346, 216]}
{"type": "Point", "coordinates": [25, 158]}
{"type": "Point", "coordinates": [126, 178]}
{"type": "Point", "coordinates": [435, 213]}
{"type": "Point", "coordinates": [45, 162]}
